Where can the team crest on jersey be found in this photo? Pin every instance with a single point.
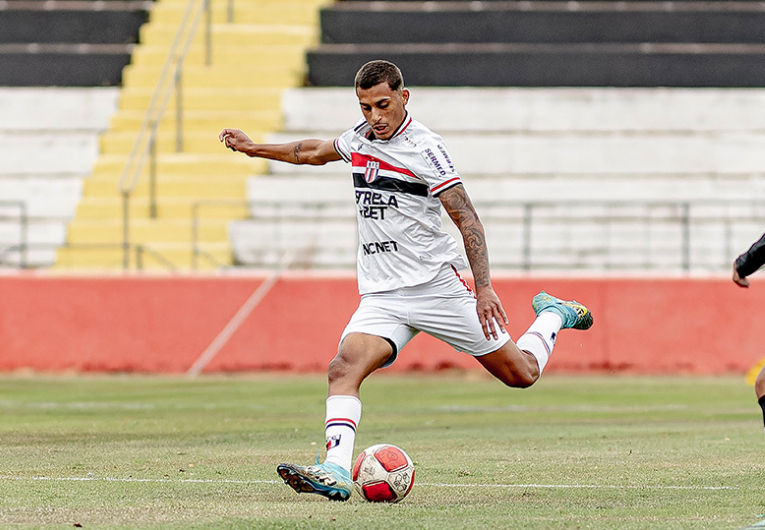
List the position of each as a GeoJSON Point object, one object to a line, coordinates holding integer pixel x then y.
{"type": "Point", "coordinates": [370, 173]}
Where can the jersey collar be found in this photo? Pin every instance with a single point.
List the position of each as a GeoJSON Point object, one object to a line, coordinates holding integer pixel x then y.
{"type": "Point", "coordinates": [401, 128]}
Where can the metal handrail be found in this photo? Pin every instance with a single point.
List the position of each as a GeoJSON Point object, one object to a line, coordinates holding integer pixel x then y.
{"type": "Point", "coordinates": [146, 140]}
{"type": "Point", "coordinates": [525, 214]}
{"type": "Point", "coordinates": [140, 251]}
{"type": "Point", "coordinates": [23, 245]}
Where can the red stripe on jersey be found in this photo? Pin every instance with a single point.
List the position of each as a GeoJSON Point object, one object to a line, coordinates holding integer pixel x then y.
{"type": "Point", "coordinates": [360, 160]}
{"type": "Point", "coordinates": [434, 190]}
{"type": "Point", "coordinates": [467, 286]}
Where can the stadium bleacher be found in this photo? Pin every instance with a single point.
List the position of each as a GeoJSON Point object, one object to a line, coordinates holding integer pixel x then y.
{"type": "Point", "coordinates": [572, 101]}
{"type": "Point", "coordinates": [540, 107]}
{"type": "Point", "coordinates": [546, 43]}
{"type": "Point", "coordinates": [68, 42]}
{"type": "Point", "coordinates": [60, 64]}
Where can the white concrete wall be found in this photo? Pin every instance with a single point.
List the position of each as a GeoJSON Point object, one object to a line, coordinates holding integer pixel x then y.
{"type": "Point", "coordinates": [48, 144]}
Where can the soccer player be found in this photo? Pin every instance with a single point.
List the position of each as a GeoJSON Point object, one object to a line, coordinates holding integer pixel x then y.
{"type": "Point", "coordinates": [407, 266]}
{"type": "Point", "coordinates": [745, 265]}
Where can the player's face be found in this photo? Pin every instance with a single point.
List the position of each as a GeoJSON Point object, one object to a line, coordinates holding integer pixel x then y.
{"type": "Point", "coordinates": [383, 108]}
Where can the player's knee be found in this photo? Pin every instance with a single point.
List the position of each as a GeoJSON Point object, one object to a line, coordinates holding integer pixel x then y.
{"type": "Point", "coordinates": [526, 380]}
{"type": "Point", "coordinates": [339, 367]}
{"type": "Point", "coordinates": [517, 379]}
{"type": "Point", "coordinates": [525, 376]}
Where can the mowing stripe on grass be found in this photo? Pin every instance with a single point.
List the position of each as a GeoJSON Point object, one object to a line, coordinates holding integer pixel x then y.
{"type": "Point", "coordinates": [430, 484]}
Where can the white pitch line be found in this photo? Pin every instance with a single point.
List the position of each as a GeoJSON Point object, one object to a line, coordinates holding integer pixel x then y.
{"type": "Point", "coordinates": [430, 484]}
{"type": "Point", "coordinates": [575, 486]}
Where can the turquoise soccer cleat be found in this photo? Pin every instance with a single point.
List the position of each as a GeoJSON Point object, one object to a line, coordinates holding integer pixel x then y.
{"type": "Point", "coordinates": [327, 479]}
{"type": "Point", "coordinates": [573, 314]}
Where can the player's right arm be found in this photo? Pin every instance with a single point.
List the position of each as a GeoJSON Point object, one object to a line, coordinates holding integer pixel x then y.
{"type": "Point", "coordinates": [314, 152]}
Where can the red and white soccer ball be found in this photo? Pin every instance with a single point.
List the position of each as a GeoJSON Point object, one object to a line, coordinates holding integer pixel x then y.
{"type": "Point", "coordinates": [383, 473]}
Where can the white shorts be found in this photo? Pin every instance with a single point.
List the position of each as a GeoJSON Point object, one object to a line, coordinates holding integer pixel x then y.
{"type": "Point", "coordinates": [444, 307]}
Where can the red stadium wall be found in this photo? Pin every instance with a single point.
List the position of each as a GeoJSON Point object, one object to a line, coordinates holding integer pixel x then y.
{"type": "Point", "coordinates": [163, 324]}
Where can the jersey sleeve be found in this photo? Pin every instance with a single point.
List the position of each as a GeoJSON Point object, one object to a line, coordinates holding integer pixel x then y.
{"type": "Point", "coordinates": [751, 260]}
{"type": "Point", "coordinates": [441, 174]}
{"type": "Point", "coordinates": [343, 143]}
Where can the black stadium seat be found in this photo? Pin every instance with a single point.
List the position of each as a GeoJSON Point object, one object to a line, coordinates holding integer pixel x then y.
{"type": "Point", "coordinates": [550, 43]}
{"type": "Point", "coordinates": [67, 42]}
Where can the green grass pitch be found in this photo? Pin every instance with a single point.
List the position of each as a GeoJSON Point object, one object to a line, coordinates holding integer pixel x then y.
{"type": "Point", "coordinates": [571, 452]}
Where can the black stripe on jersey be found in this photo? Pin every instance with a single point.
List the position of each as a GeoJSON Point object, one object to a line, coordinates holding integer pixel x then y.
{"type": "Point", "coordinates": [389, 184]}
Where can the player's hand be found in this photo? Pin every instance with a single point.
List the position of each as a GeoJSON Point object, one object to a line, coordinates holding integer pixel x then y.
{"type": "Point", "coordinates": [491, 314]}
{"type": "Point", "coordinates": [742, 282]}
{"type": "Point", "coordinates": [235, 139]}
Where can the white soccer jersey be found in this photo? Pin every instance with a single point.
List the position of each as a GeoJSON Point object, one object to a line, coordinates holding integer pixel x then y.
{"type": "Point", "coordinates": [397, 183]}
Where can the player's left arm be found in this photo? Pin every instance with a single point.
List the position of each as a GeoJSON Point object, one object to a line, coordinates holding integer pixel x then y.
{"type": "Point", "coordinates": [460, 208]}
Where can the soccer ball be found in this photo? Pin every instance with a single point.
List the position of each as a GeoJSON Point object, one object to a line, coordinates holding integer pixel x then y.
{"type": "Point", "coordinates": [383, 473]}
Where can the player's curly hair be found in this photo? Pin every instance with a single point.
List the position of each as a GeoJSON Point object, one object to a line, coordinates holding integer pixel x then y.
{"type": "Point", "coordinates": [378, 71]}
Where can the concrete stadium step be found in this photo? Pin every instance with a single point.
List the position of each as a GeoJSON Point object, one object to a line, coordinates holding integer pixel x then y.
{"type": "Point", "coordinates": [36, 248]}
{"type": "Point", "coordinates": [201, 120]}
{"type": "Point", "coordinates": [36, 152]}
{"type": "Point", "coordinates": [253, 60]}
{"type": "Point", "coordinates": [297, 13]}
{"type": "Point", "coordinates": [526, 110]}
{"type": "Point", "coordinates": [44, 197]}
{"type": "Point", "coordinates": [63, 65]}
{"type": "Point", "coordinates": [235, 34]}
{"type": "Point", "coordinates": [199, 76]}
{"type": "Point", "coordinates": [315, 245]}
{"type": "Point", "coordinates": [571, 154]}
{"type": "Point", "coordinates": [211, 165]}
{"type": "Point", "coordinates": [288, 56]}
{"type": "Point", "coordinates": [542, 22]}
{"type": "Point", "coordinates": [51, 109]}
{"type": "Point", "coordinates": [209, 99]}
{"type": "Point", "coordinates": [156, 257]}
{"type": "Point", "coordinates": [35, 22]}
{"type": "Point", "coordinates": [491, 192]}
{"type": "Point", "coordinates": [146, 231]}
{"type": "Point", "coordinates": [173, 207]}
{"type": "Point", "coordinates": [193, 141]}
{"type": "Point", "coordinates": [548, 65]}
{"type": "Point", "coordinates": [171, 186]}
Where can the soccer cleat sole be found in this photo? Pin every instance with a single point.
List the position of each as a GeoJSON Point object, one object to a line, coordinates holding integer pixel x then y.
{"type": "Point", "coordinates": [300, 484]}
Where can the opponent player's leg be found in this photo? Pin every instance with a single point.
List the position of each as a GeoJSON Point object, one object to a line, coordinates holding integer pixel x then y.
{"type": "Point", "coordinates": [521, 364]}
{"type": "Point", "coordinates": [358, 356]}
{"type": "Point", "coordinates": [759, 389]}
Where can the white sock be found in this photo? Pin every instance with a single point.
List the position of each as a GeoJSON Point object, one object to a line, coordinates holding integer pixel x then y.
{"type": "Point", "coordinates": [343, 416]}
{"type": "Point", "coordinates": [539, 339]}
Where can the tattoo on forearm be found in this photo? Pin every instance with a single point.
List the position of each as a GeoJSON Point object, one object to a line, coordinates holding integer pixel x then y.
{"type": "Point", "coordinates": [296, 152]}
{"type": "Point", "coordinates": [463, 214]}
